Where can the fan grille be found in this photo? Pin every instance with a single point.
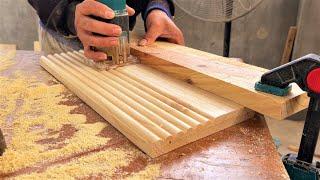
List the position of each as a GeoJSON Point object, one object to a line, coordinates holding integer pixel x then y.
{"type": "Point", "coordinates": [217, 10]}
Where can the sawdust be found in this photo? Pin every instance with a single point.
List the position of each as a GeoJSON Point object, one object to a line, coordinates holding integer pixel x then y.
{"type": "Point", "coordinates": [31, 111]}
{"type": "Point", "coordinates": [39, 106]}
{"type": "Point", "coordinates": [6, 60]}
{"type": "Point", "coordinates": [149, 172]}
{"type": "Point", "coordinates": [106, 162]}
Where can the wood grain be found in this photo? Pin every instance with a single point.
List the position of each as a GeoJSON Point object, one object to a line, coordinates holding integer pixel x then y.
{"type": "Point", "coordinates": [229, 79]}
{"type": "Point", "coordinates": [156, 112]}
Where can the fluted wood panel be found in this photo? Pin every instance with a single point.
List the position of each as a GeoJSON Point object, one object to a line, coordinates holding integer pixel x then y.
{"type": "Point", "coordinates": [156, 112]}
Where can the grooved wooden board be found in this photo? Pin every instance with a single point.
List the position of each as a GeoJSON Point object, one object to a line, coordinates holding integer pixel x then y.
{"type": "Point", "coordinates": [226, 78]}
{"type": "Point", "coordinates": [156, 112]}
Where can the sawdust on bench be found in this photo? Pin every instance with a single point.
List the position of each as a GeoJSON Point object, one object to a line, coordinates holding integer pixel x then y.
{"type": "Point", "coordinates": [31, 111]}
{"type": "Point", "coordinates": [148, 173]}
{"type": "Point", "coordinates": [5, 59]}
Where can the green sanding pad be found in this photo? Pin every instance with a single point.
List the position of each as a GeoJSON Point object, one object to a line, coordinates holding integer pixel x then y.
{"type": "Point", "coordinates": [272, 89]}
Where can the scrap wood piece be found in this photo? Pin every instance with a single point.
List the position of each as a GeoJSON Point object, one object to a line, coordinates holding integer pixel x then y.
{"type": "Point", "coordinates": [229, 79]}
{"type": "Point", "coordinates": [7, 53]}
{"type": "Point", "coordinates": [158, 113]}
{"type": "Point", "coordinates": [287, 52]}
{"type": "Point", "coordinates": [36, 46]}
{"type": "Point", "coordinates": [8, 47]}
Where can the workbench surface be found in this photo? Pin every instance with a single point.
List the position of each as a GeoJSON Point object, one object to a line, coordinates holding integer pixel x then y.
{"type": "Point", "coordinates": [244, 151]}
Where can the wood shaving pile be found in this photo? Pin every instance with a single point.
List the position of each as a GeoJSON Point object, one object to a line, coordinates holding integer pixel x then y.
{"type": "Point", "coordinates": [105, 162]}
{"type": "Point", "coordinates": [30, 111]}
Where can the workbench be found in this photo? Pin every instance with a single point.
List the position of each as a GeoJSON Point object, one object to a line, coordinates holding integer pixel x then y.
{"type": "Point", "coordinates": [244, 151]}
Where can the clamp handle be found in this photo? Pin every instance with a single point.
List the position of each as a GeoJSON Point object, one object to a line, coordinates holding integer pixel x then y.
{"type": "Point", "coordinates": [293, 72]}
{"type": "Point", "coordinates": [305, 72]}
{"type": "Point", "coordinates": [311, 128]}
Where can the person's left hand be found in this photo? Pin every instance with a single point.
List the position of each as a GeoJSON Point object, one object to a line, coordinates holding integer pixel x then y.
{"type": "Point", "coordinates": [159, 25]}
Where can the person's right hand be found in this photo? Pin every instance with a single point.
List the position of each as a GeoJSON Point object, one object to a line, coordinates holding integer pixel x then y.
{"type": "Point", "coordinates": [87, 26]}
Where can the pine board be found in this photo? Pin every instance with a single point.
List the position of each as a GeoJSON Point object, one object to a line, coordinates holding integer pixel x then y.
{"type": "Point", "coordinates": [8, 47]}
{"type": "Point", "coordinates": [156, 112]}
{"type": "Point", "coordinates": [36, 46]}
{"type": "Point", "coordinates": [226, 78]}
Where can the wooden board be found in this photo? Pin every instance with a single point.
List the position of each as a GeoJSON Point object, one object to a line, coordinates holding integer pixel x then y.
{"type": "Point", "coordinates": [229, 79]}
{"type": "Point", "coordinates": [36, 46]}
{"type": "Point", "coordinates": [8, 47]}
{"type": "Point", "coordinates": [156, 112]}
{"type": "Point", "coordinates": [287, 52]}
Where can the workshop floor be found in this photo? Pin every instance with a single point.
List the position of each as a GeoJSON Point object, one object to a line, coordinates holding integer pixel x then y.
{"type": "Point", "coordinates": [288, 133]}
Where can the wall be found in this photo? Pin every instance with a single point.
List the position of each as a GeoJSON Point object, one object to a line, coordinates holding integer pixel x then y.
{"type": "Point", "coordinates": [18, 23]}
{"type": "Point", "coordinates": [199, 34]}
{"type": "Point", "coordinates": [258, 38]}
{"type": "Point", "coordinates": [308, 36]}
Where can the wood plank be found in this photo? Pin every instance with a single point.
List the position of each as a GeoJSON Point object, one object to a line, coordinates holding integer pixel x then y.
{"type": "Point", "coordinates": [156, 112]}
{"type": "Point", "coordinates": [36, 46]}
{"type": "Point", "coordinates": [229, 79]}
{"type": "Point", "coordinates": [7, 52]}
{"type": "Point", "coordinates": [287, 52]}
{"type": "Point", "coordinates": [8, 47]}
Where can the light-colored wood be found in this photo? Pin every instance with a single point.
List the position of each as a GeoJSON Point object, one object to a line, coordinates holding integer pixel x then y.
{"type": "Point", "coordinates": [229, 79]}
{"type": "Point", "coordinates": [289, 45]}
{"type": "Point", "coordinates": [180, 123]}
{"type": "Point", "coordinates": [36, 46]}
{"type": "Point", "coordinates": [8, 47]}
{"type": "Point", "coordinates": [156, 112]}
{"type": "Point", "coordinates": [130, 98]}
{"type": "Point", "coordinates": [7, 52]}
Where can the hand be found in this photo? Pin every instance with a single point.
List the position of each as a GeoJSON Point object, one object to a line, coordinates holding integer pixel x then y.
{"type": "Point", "coordinates": [87, 26]}
{"type": "Point", "coordinates": [160, 25]}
